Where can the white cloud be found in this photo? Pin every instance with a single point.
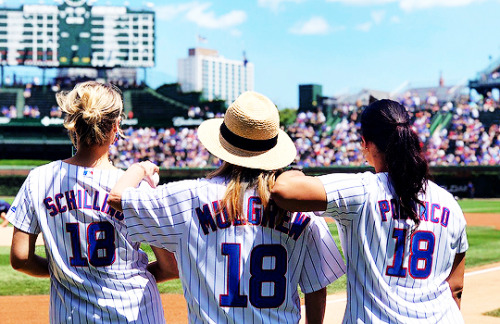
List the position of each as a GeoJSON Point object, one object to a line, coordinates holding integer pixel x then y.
{"type": "Point", "coordinates": [395, 20]}
{"type": "Point", "coordinates": [169, 12]}
{"type": "Point", "coordinates": [314, 26]}
{"type": "Point", "coordinates": [200, 14]}
{"type": "Point", "coordinates": [365, 27]}
{"type": "Point", "coordinates": [409, 5]}
{"type": "Point", "coordinates": [204, 18]}
{"type": "Point", "coordinates": [275, 5]}
{"type": "Point", "coordinates": [236, 32]}
{"type": "Point", "coordinates": [378, 16]}
{"type": "Point", "coordinates": [362, 2]}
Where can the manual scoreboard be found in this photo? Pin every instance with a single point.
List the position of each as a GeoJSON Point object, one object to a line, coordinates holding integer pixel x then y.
{"type": "Point", "coordinates": [77, 34]}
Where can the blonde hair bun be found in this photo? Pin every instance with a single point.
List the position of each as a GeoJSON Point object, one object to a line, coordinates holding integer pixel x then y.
{"type": "Point", "coordinates": [91, 109]}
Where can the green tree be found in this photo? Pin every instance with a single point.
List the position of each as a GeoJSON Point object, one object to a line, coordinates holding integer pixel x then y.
{"type": "Point", "coordinates": [287, 116]}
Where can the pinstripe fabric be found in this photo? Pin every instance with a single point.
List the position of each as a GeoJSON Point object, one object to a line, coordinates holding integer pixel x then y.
{"type": "Point", "coordinates": [395, 275]}
{"type": "Point", "coordinates": [216, 258]}
{"type": "Point", "coordinates": [97, 274]}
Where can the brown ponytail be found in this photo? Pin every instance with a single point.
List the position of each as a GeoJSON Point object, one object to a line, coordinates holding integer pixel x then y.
{"type": "Point", "coordinates": [386, 123]}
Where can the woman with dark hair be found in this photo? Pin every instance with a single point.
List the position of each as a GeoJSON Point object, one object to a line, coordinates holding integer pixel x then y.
{"type": "Point", "coordinates": [403, 236]}
{"type": "Point", "coordinates": [240, 259]}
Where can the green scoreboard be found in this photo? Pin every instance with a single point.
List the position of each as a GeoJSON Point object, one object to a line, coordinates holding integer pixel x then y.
{"type": "Point", "coordinates": [77, 34]}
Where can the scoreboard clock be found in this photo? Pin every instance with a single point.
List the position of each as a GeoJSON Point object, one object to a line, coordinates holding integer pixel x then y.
{"type": "Point", "coordinates": [75, 3]}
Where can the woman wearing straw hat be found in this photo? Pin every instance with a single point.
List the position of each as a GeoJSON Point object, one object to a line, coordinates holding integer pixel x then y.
{"type": "Point", "coordinates": [240, 258]}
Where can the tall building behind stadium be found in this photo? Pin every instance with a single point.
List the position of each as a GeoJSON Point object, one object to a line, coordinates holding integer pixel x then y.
{"type": "Point", "coordinates": [216, 77]}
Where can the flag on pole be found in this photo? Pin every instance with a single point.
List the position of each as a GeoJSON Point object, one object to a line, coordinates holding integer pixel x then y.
{"type": "Point", "coordinates": [201, 39]}
{"type": "Point", "coordinates": [245, 61]}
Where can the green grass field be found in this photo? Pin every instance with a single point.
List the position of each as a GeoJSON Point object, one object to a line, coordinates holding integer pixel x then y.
{"type": "Point", "coordinates": [484, 248]}
{"type": "Point", "coordinates": [494, 313]}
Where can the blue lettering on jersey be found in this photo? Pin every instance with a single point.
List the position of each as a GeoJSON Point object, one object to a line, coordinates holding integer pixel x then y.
{"type": "Point", "coordinates": [434, 218]}
{"type": "Point", "coordinates": [60, 208]}
{"type": "Point", "coordinates": [282, 225]}
{"type": "Point", "coordinates": [218, 219]}
{"type": "Point", "coordinates": [53, 209]}
{"type": "Point", "coordinates": [298, 225]}
{"type": "Point", "coordinates": [424, 211]}
{"type": "Point", "coordinates": [435, 214]}
{"type": "Point", "coordinates": [205, 218]}
{"type": "Point", "coordinates": [254, 210]}
{"type": "Point", "coordinates": [383, 205]}
{"type": "Point", "coordinates": [221, 216]}
{"type": "Point", "coordinates": [70, 201]}
{"type": "Point", "coordinates": [445, 217]}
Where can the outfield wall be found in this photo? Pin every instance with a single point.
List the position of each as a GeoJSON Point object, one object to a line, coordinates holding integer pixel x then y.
{"type": "Point", "coordinates": [485, 179]}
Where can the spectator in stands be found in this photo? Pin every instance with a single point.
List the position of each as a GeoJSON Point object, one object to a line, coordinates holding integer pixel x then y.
{"type": "Point", "coordinates": [12, 111]}
{"type": "Point", "coordinates": [55, 112]}
{"type": "Point", "coordinates": [465, 141]}
{"type": "Point", "coordinates": [27, 111]}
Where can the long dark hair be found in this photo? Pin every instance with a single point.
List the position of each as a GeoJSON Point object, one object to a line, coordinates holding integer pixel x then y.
{"type": "Point", "coordinates": [386, 123]}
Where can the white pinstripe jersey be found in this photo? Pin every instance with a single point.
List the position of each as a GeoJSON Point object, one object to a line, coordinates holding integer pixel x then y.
{"type": "Point", "coordinates": [241, 272]}
{"type": "Point", "coordinates": [394, 275]}
{"type": "Point", "coordinates": [97, 274]}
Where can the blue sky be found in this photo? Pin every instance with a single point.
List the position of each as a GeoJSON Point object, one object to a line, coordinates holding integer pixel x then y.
{"type": "Point", "coordinates": [344, 45]}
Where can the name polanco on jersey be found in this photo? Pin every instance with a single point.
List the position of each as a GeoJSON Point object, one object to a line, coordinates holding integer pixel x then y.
{"type": "Point", "coordinates": [435, 213]}
{"type": "Point", "coordinates": [82, 199]}
{"type": "Point", "coordinates": [214, 219]}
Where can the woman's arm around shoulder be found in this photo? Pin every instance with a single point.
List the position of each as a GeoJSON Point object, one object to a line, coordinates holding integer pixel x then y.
{"type": "Point", "coordinates": [131, 178]}
{"type": "Point", "coordinates": [295, 191]}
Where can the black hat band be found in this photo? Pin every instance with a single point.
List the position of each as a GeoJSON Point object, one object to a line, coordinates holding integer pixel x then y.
{"type": "Point", "coordinates": [246, 143]}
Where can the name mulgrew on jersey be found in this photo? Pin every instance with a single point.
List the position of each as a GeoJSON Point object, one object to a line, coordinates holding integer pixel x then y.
{"type": "Point", "coordinates": [434, 213]}
{"type": "Point", "coordinates": [82, 199]}
{"type": "Point", "coordinates": [214, 218]}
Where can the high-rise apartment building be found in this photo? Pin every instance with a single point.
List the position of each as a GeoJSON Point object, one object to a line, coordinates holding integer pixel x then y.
{"type": "Point", "coordinates": [216, 77]}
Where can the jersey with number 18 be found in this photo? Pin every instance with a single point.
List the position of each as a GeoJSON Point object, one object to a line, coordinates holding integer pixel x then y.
{"type": "Point", "coordinates": [396, 272]}
{"type": "Point", "coordinates": [245, 271]}
{"type": "Point", "coordinates": [97, 274]}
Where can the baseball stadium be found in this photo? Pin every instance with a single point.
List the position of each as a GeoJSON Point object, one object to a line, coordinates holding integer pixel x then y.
{"type": "Point", "coordinates": [46, 49]}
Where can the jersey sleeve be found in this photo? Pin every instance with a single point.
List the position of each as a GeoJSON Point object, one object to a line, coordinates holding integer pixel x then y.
{"type": "Point", "coordinates": [346, 195]}
{"type": "Point", "coordinates": [157, 216]}
{"type": "Point", "coordinates": [22, 214]}
{"type": "Point", "coordinates": [463, 243]}
{"type": "Point", "coordinates": [323, 263]}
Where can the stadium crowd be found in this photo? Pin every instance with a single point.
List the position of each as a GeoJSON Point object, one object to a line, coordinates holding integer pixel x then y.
{"type": "Point", "coordinates": [464, 141]}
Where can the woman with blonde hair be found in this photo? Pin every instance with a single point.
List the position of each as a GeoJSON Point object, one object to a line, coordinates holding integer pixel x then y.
{"type": "Point", "coordinates": [240, 258]}
{"type": "Point", "coordinates": [97, 274]}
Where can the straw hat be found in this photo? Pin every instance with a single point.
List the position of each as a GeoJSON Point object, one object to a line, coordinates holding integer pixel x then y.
{"type": "Point", "coordinates": [249, 135]}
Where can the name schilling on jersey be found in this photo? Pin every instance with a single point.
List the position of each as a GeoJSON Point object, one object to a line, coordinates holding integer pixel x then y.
{"type": "Point", "coordinates": [211, 218]}
{"type": "Point", "coordinates": [81, 199]}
